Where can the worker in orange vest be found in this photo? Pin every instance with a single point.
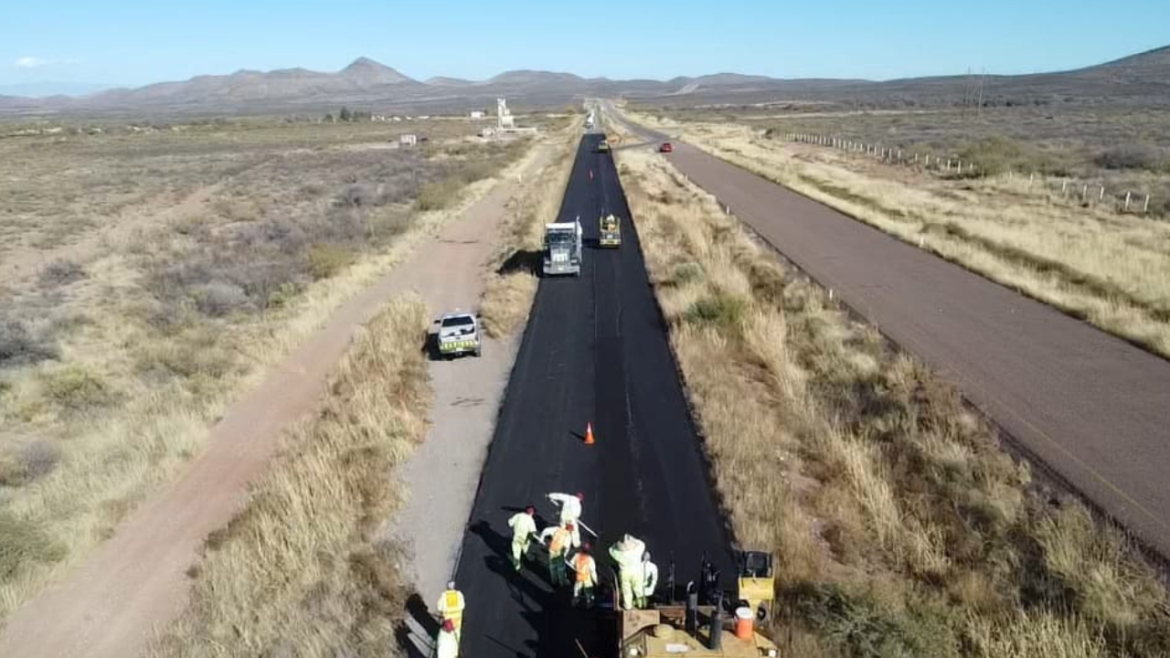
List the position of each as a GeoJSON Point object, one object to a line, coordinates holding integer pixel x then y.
{"type": "Point", "coordinates": [560, 539]}
{"type": "Point", "coordinates": [451, 606]}
{"type": "Point", "coordinates": [586, 570]}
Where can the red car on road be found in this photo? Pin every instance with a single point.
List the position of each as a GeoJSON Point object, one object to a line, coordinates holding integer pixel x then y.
{"type": "Point", "coordinates": [666, 148]}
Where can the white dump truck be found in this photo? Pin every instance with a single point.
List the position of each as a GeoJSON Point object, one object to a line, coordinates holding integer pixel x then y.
{"type": "Point", "coordinates": [562, 248]}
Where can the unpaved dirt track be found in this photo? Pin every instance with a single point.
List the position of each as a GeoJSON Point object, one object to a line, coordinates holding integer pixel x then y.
{"type": "Point", "coordinates": [595, 349]}
{"type": "Point", "coordinates": [110, 606]}
{"type": "Point", "coordinates": [1093, 408]}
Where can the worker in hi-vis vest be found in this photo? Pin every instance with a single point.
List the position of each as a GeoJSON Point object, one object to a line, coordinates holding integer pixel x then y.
{"type": "Point", "coordinates": [560, 540]}
{"type": "Point", "coordinates": [586, 580]}
{"type": "Point", "coordinates": [628, 555]}
{"type": "Point", "coordinates": [451, 606]}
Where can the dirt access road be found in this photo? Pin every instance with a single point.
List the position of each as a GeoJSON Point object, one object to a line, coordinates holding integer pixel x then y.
{"type": "Point", "coordinates": [1089, 406]}
{"type": "Point", "coordinates": [111, 604]}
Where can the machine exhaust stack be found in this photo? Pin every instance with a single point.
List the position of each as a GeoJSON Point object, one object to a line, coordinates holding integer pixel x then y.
{"type": "Point", "coordinates": [716, 634]}
{"type": "Point", "coordinates": [691, 620]}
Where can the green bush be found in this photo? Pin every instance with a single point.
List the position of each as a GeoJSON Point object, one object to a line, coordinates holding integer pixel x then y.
{"type": "Point", "coordinates": [720, 309]}
{"type": "Point", "coordinates": [327, 260]}
{"type": "Point", "coordinates": [22, 542]}
{"type": "Point", "coordinates": [75, 389]}
{"type": "Point", "coordinates": [438, 195]}
{"type": "Point", "coordinates": [998, 155]}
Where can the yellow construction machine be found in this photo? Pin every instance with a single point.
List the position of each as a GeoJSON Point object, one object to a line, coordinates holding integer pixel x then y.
{"type": "Point", "coordinates": [756, 582]}
{"type": "Point", "coordinates": [722, 626]}
{"type": "Point", "coordinates": [610, 231]}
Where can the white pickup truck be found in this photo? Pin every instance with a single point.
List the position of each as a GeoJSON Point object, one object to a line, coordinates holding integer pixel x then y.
{"type": "Point", "coordinates": [458, 333]}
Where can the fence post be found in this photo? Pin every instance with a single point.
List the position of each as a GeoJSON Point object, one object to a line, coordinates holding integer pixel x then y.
{"type": "Point", "coordinates": [1063, 187]}
{"type": "Point", "coordinates": [1101, 196]}
{"type": "Point", "coordinates": [960, 167]}
{"type": "Point", "coordinates": [1031, 177]}
{"type": "Point", "coordinates": [1146, 205]}
{"type": "Point", "coordinates": [1085, 192]}
{"type": "Point", "coordinates": [1127, 195]}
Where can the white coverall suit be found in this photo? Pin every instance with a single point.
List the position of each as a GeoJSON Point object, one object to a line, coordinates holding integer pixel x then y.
{"type": "Point", "coordinates": [523, 529]}
{"type": "Point", "coordinates": [447, 645]}
{"type": "Point", "coordinates": [570, 512]}
{"type": "Point", "coordinates": [628, 555]}
{"type": "Point", "coordinates": [650, 581]}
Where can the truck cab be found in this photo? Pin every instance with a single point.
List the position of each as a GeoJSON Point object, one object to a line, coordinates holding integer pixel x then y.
{"type": "Point", "coordinates": [562, 248]}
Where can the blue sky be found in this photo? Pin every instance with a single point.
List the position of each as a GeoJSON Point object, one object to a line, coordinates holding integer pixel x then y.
{"type": "Point", "coordinates": [135, 43]}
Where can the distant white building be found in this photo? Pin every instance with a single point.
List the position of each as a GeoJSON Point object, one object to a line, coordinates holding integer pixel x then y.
{"type": "Point", "coordinates": [408, 139]}
{"type": "Point", "coordinates": [477, 114]}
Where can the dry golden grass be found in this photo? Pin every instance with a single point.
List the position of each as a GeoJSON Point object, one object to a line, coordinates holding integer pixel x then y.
{"type": "Point", "coordinates": [1111, 270]}
{"type": "Point", "coordinates": [899, 526]}
{"type": "Point", "coordinates": [511, 287]}
{"type": "Point", "coordinates": [137, 377]}
{"type": "Point", "coordinates": [304, 569]}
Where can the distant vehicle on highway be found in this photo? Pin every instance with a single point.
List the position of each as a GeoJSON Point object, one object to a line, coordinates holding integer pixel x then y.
{"type": "Point", "coordinates": [666, 148]}
{"type": "Point", "coordinates": [603, 146]}
{"type": "Point", "coordinates": [458, 334]}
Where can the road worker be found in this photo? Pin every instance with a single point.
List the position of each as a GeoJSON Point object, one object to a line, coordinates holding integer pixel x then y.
{"type": "Point", "coordinates": [649, 580]}
{"type": "Point", "coordinates": [451, 606]}
{"type": "Point", "coordinates": [570, 511]}
{"type": "Point", "coordinates": [447, 642]}
{"type": "Point", "coordinates": [560, 540]}
{"type": "Point", "coordinates": [628, 555]}
{"type": "Point", "coordinates": [523, 529]}
{"type": "Point", "coordinates": [586, 569]}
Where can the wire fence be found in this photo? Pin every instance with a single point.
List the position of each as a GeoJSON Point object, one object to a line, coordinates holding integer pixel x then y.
{"type": "Point", "coordinates": [1083, 192]}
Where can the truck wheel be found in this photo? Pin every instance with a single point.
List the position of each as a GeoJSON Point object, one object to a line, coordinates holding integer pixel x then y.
{"type": "Point", "coordinates": [479, 351]}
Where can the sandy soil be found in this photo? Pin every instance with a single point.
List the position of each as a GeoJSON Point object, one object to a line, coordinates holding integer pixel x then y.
{"type": "Point", "coordinates": [136, 582]}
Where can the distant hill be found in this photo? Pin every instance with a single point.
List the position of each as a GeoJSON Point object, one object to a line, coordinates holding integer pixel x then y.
{"type": "Point", "coordinates": [1141, 78]}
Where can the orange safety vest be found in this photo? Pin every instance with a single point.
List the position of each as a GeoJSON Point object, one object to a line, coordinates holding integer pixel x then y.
{"type": "Point", "coordinates": [584, 566]}
{"type": "Point", "coordinates": [560, 540]}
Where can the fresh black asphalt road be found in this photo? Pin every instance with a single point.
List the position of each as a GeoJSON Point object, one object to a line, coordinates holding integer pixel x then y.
{"type": "Point", "coordinates": [595, 350]}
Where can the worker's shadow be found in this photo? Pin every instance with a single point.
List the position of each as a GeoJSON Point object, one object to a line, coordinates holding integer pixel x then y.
{"type": "Point", "coordinates": [414, 634]}
{"type": "Point", "coordinates": [499, 561]}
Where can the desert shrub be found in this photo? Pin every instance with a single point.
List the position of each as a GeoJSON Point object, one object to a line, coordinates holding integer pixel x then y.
{"type": "Point", "coordinates": [326, 260]}
{"type": "Point", "coordinates": [38, 458]}
{"type": "Point", "coordinates": [720, 309]}
{"type": "Point", "coordinates": [62, 272]}
{"type": "Point", "coordinates": [22, 542]}
{"type": "Point", "coordinates": [438, 195]}
{"type": "Point", "coordinates": [865, 628]}
{"type": "Point", "coordinates": [28, 462]}
{"type": "Point", "coordinates": [218, 298]}
{"type": "Point", "coordinates": [997, 155]}
{"type": "Point", "coordinates": [18, 346]}
{"type": "Point", "coordinates": [75, 389]}
{"type": "Point", "coordinates": [1131, 156]}
{"type": "Point", "coordinates": [685, 273]}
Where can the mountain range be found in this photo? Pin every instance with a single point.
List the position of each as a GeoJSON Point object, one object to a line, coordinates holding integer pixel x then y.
{"type": "Point", "coordinates": [1143, 78]}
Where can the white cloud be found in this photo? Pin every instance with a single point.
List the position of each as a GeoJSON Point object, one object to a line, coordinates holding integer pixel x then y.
{"type": "Point", "coordinates": [31, 63]}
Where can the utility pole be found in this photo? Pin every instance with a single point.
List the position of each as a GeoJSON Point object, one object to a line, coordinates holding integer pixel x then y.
{"type": "Point", "coordinates": [979, 105]}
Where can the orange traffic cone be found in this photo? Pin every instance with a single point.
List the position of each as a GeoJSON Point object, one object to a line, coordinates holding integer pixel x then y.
{"type": "Point", "coordinates": [588, 434]}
